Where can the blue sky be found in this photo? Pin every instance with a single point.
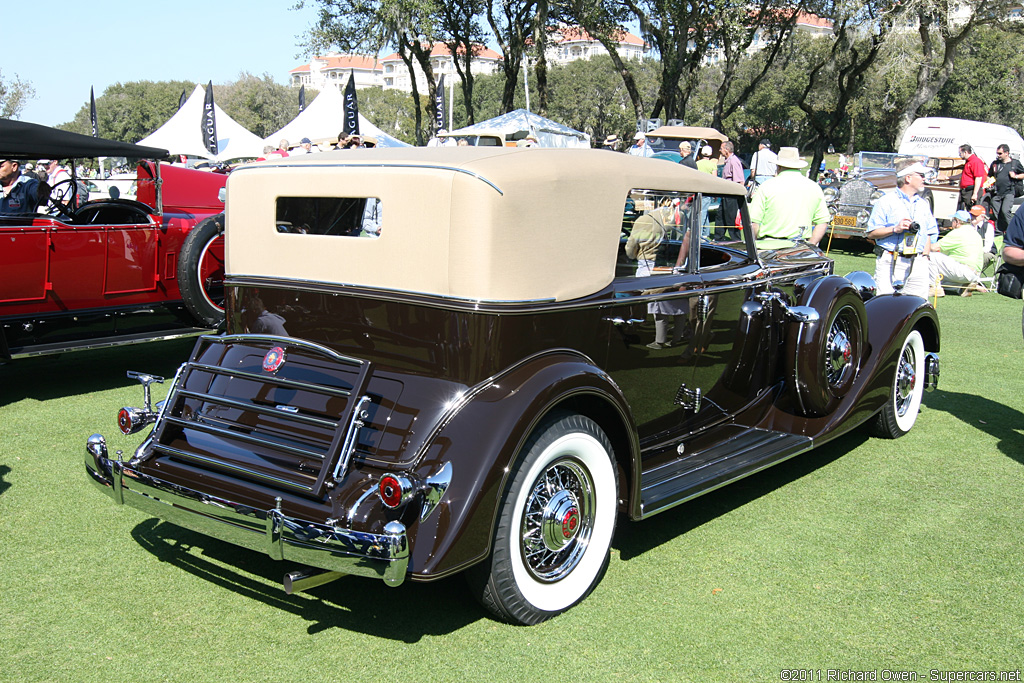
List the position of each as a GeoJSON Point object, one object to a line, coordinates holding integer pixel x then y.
{"type": "Point", "coordinates": [63, 48]}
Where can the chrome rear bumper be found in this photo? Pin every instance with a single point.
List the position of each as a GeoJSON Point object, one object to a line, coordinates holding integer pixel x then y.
{"type": "Point", "coordinates": [383, 556]}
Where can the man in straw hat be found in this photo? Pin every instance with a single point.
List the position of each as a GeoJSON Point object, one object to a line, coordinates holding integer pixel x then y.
{"type": "Point", "coordinates": [903, 228]}
{"type": "Point", "coordinates": [786, 205]}
{"type": "Point", "coordinates": [611, 143]}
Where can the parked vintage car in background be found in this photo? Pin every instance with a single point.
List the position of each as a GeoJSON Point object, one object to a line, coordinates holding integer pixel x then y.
{"type": "Point", "coordinates": [871, 175]}
{"type": "Point", "coordinates": [114, 270]}
{"type": "Point", "coordinates": [488, 380]}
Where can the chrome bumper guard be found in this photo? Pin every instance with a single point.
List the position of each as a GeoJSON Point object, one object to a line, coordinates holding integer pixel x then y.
{"type": "Point", "coordinates": [382, 556]}
{"type": "Point", "coordinates": [931, 371]}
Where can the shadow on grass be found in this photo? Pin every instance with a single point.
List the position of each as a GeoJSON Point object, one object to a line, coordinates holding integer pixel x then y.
{"type": "Point", "coordinates": [352, 603]}
{"type": "Point", "coordinates": [989, 416]}
{"type": "Point", "coordinates": [634, 539]}
{"type": "Point", "coordinates": [4, 485]}
{"type": "Point", "coordinates": [83, 372]}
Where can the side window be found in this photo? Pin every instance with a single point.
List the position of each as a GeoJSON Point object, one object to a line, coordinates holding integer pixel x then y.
{"type": "Point", "coordinates": [721, 221]}
{"type": "Point", "coordinates": [338, 216]}
{"type": "Point", "coordinates": [655, 234]}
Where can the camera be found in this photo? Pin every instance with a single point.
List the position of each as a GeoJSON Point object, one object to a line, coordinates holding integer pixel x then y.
{"type": "Point", "coordinates": [913, 228]}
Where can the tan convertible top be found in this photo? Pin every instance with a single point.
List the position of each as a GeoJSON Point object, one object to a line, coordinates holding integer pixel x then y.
{"type": "Point", "coordinates": [488, 224]}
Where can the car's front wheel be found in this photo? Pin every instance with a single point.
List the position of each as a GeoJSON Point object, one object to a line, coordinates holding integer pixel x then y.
{"type": "Point", "coordinates": [555, 523]}
{"type": "Point", "coordinates": [900, 411]}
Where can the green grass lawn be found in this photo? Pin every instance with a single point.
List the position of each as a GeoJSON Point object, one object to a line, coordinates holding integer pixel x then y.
{"type": "Point", "coordinates": [864, 555]}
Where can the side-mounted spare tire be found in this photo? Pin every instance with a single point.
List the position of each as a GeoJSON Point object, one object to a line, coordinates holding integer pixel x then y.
{"type": "Point", "coordinates": [824, 357]}
{"type": "Point", "coordinates": [201, 271]}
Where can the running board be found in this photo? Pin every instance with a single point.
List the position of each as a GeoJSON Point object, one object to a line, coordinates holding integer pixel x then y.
{"type": "Point", "coordinates": [749, 452]}
{"type": "Point", "coordinates": [106, 342]}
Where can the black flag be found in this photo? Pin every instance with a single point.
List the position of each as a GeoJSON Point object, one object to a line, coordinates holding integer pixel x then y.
{"type": "Point", "coordinates": [440, 102]}
{"type": "Point", "coordinates": [92, 113]}
{"type": "Point", "coordinates": [209, 121]}
{"type": "Point", "coordinates": [181, 100]}
{"type": "Point", "coordinates": [302, 98]}
{"type": "Point", "coordinates": [351, 107]}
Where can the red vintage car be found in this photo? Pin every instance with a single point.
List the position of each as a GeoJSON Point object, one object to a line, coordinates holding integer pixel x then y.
{"type": "Point", "coordinates": [109, 271]}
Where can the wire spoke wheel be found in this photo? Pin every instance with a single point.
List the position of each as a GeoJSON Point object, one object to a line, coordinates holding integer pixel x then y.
{"type": "Point", "coordinates": [555, 524]}
{"type": "Point", "coordinates": [558, 520]}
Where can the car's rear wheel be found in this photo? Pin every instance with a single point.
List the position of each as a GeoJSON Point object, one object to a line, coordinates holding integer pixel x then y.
{"type": "Point", "coordinates": [555, 523]}
{"type": "Point", "coordinates": [900, 411]}
{"type": "Point", "coordinates": [201, 271]}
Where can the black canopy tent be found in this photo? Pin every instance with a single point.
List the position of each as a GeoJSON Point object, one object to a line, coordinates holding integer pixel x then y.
{"type": "Point", "coordinates": [23, 140]}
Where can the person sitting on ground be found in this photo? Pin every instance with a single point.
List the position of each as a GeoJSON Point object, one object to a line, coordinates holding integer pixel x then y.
{"type": "Point", "coordinates": [785, 205]}
{"type": "Point", "coordinates": [958, 257]}
{"type": "Point", "coordinates": [22, 195]}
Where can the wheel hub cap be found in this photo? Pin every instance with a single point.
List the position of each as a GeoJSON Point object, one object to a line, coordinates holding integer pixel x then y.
{"type": "Point", "coordinates": [560, 521]}
{"type": "Point", "coordinates": [840, 353]}
{"type": "Point", "coordinates": [905, 383]}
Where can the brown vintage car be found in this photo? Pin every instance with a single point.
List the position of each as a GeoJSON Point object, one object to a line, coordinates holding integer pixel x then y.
{"type": "Point", "coordinates": [466, 360]}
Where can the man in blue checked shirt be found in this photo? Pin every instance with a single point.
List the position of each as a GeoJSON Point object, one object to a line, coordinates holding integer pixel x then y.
{"type": "Point", "coordinates": [903, 250]}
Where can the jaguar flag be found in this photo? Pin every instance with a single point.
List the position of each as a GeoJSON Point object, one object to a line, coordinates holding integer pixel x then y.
{"type": "Point", "coordinates": [209, 121]}
{"type": "Point", "coordinates": [302, 98]}
{"type": "Point", "coordinates": [440, 115]}
{"type": "Point", "coordinates": [92, 113]}
{"type": "Point", "coordinates": [351, 108]}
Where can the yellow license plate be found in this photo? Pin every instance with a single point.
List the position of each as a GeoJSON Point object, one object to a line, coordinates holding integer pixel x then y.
{"type": "Point", "coordinates": [847, 221]}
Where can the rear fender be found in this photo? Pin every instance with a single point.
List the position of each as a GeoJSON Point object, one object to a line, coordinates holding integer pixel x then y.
{"type": "Point", "coordinates": [891, 319]}
{"type": "Point", "coordinates": [482, 438]}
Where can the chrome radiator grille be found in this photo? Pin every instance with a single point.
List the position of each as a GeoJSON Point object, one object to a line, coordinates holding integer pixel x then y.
{"type": "Point", "coordinates": [856, 193]}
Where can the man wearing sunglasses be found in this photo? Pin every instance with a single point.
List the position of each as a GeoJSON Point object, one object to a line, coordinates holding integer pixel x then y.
{"type": "Point", "coordinates": [21, 194]}
{"type": "Point", "coordinates": [903, 228]}
{"type": "Point", "coordinates": [1004, 174]}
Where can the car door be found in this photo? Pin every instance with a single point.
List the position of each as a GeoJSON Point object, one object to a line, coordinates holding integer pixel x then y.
{"type": "Point", "coordinates": [656, 378]}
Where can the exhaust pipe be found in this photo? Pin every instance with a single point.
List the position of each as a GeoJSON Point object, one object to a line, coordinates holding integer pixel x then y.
{"type": "Point", "coordinates": [303, 580]}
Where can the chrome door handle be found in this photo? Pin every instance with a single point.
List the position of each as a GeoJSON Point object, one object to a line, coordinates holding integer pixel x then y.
{"type": "Point", "coordinates": [624, 321]}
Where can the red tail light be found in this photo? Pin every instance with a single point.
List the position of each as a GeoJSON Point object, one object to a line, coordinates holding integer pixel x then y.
{"type": "Point", "coordinates": [394, 490]}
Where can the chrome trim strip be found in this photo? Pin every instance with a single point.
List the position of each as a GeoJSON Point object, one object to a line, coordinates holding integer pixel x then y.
{"type": "Point", "coordinates": [290, 413]}
{"type": "Point", "coordinates": [432, 167]}
{"type": "Point", "coordinates": [317, 285]}
{"type": "Point", "coordinates": [382, 556]}
{"type": "Point", "coordinates": [290, 341]}
{"type": "Point", "coordinates": [270, 379]}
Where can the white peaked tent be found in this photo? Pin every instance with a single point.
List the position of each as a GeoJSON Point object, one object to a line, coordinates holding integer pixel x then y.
{"type": "Point", "coordinates": [322, 120]}
{"type": "Point", "coordinates": [182, 134]}
{"type": "Point", "coordinates": [548, 133]}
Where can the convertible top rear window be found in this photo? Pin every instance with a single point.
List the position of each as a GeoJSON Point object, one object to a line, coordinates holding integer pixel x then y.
{"type": "Point", "coordinates": [338, 216]}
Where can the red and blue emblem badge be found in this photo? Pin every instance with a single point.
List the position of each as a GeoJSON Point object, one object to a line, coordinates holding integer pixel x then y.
{"type": "Point", "coordinates": [274, 359]}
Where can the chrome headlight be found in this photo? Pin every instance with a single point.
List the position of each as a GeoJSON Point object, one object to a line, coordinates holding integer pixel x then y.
{"type": "Point", "coordinates": [862, 217]}
{"type": "Point", "coordinates": [876, 195]}
{"type": "Point", "coordinates": [830, 193]}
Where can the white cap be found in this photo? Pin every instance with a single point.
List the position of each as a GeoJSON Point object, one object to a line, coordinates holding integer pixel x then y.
{"type": "Point", "coordinates": [639, 136]}
{"type": "Point", "coordinates": [913, 168]}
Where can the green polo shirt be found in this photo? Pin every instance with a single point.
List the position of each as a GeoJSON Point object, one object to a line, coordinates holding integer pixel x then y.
{"type": "Point", "coordinates": [964, 245]}
{"type": "Point", "coordinates": [786, 204]}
